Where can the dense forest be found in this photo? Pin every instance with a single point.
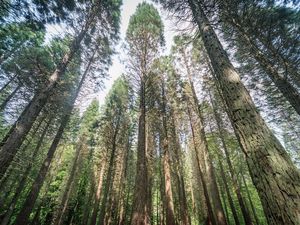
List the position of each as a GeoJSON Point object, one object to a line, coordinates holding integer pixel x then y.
{"type": "Point", "coordinates": [205, 133]}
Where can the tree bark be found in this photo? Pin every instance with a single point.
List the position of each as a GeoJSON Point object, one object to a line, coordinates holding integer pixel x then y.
{"type": "Point", "coordinates": [140, 214]}
{"type": "Point", "coordinates": [276, 179]}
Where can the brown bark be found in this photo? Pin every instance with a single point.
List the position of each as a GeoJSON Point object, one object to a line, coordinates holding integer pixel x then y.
{"type": "Point", "coordinates": [276, 179]}
{"type": "Point", "coordinates": [140, 214]}
{"type": "Point", "coordinates": [170, 214]}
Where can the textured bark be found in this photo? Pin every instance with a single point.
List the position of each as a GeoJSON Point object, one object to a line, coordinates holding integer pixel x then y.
{"type": "Point", "coordinates": [140, 214]}
{"type": "Point", "coordinates": [15, 137]}
{"type": "Point", "coordinates": [9, 97]}
{"type": "Point", "coordinates": [276, 179]}
{"type": "Point", "coordinates": [170, 214]}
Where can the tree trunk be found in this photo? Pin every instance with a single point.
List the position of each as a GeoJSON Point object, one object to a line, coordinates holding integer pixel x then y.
{"type": "Point", "coordinates": [210, 217]}
{"type": "Point", "coordinates": [203, 146]}
{"type": "Point", "coordinates": [170, 214]}
{"type": "Point", "coordinates": [98, 194]}
{"type": "Point", "coordinates": [231, 203]}
{"type": "Point", "coordinates": [276, 178]}
{"type": "Point", "coordinates": [22, 182]}
{"type": "Point", "coordinates": [250, 200]}
{"type": "Point", "coordinates": [24, 214]}
{"type": "Point", "coordinates": [69, 186]}
{"type": "Point", "coordinates": [140, 214]}
{"type": "Point", "coordinates": [9, 97]}
{"type": "Point", "coordinates": [219, 122]}
{"type": "Point", "coordinates": [15, 137]}
{"type": "Point", "coordinates": [110, 175]}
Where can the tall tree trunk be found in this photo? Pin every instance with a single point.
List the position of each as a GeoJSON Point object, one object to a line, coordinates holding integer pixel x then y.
{"type": "Point", "coordinates": [98, 194]}
{"type": "Point", "coordinates": [24, 214]}
{"type": "Point", "coordinates": [170, 214]}
{"type": "Point", "coordinates": [184, 214]}
{"type": "Point", "coordinates": [7, 83]}
{"type": "Point", "coordinates": [219, 122]}
{"type": "Point", "coordinates": [250, 200]}
{"type": "Point", "coordinates": [69, 186]}
{"type": "Point", "coordinates": [110, 175]}
{"type": "Point", "coordinates": [211, 217]}
{"type": "Point", "coordinates": [9, 97]}
{"type": "Point", "coordinates": [276, 178]}
{"type": "Point", "coordinates": [231, 203]}
{"type": "Point", "coordinates": [22, 182]}
{"type": "Point", "coordinates": [15, 137]}
{"type": "Point", "coordinates": [140, 214]}
{"type": "Point", "coordinates": [211, 178]}
{"type": "Point", "coordinates": [288, 91]}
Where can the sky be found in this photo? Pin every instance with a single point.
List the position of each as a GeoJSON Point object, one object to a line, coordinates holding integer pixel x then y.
{"type": "Point", "coordinates": [117, 68]}
{"type": "Point", "coordinates": [118, 61]}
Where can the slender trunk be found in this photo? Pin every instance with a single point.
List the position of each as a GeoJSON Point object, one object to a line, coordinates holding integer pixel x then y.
{"type": "Point", "coordinates": [211, 217]}
{"type": "Point", "coordinates": [211, 178]}
{"type": "Point", "coordinates": [231, 203]}
{"type": "Point", "coordinates": [9, 97]}
{"type": "Point", "coordinates": [225, 207]}
{"type": "Point", "coordinates": [219, 122]}
{"type": "Point", "coordinates": [184, 214]}
{"type": "Point", "coordinates": [140, 214]}
{"type": "Point", "coordinates": [15, 137]}
{"type": "Point", "coordinates": [7, 83]}
{"type": "Point", "coordinates": [69, 186]}
{"type": "Point", "coordinates": [250, 200]}
{"type": "Point", "coordinates": [276, 178]}
{"type": "Point", "coordinates": [24, 214]}
{"type": "Point", "coordinates": [283, 85]}
{"type": "Point", "coordinates": [98, 194]}
{"type": "Point", "coordinates": [170, 214]}
{"type": "Point", "coordinates": [110, 174]}
{"type": "Point", "coordinates": [23, 180]}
